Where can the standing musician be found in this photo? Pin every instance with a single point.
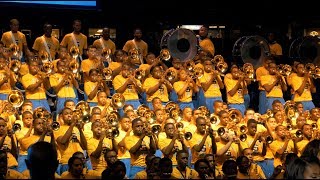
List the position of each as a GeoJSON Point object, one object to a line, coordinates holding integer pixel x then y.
{"type": "Point", "coordinates": [205, 42]}
{"type": "Point", "coordinates": [138, 44]}
{"type": "Point", "coordinates": [76, 38]}
{"type": "Point", "coordinates": [35, 84]}
{"type": "Point", "coordinates": [93, 86]}
{"type": "Point", "coordinates": [305, 139]}
{"type": "Point", "coordinates": [105, 42]}
{"type": "Point", "coordinates": [7, 79]}
{"type": "Point", "coordinates": [157, 86]}
{"type": "Point", "coordinates": [211, 84]}
{"type": "Point", "coordinates": [93, 62]}
{"type": "Point", "coordinates": [303, 86]}
{"type": "Point", "coordinates": [47, 43]}
{"type": "Point", "coordinates": [261, 71]}
{"type": "Point", "coordinates": [274, 85]}
{"type": "Point", "coordinates": [235, 87]}
{"type": "Point", "coordinates": [15, 37]}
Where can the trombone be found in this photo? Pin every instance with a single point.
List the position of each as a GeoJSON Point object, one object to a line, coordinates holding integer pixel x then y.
{"type": "Point", "coordinates": [165, 54]}
{"type": "Point", "coordinates": [170, 75]}
{"type": "Point", "coordinates": [117, 100]}
{"type": "Point", "coordinates": [248, 70]}
{"type": "Point", "coordinates": [139, 74]}
{"type": "Point", "coordinates": [15, 98]}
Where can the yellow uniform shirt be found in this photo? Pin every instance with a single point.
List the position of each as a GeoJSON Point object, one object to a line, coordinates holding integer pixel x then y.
{"type": "Point", "coordinates": [130, 93]}
{"type": "Point", "coordinates": [289, 78]}
{"type": "Point", "coordinates": [276, 91]}
{"type": "Point", "coordinates": [66, 90]}
{"type": "Point", "coordinates": [275, 49]}
{"type": "Point", "coordinates": [114, 65]}
{"type": "Point", "coordinates": [24, 69]}
{"type": "Point", "coordinates": [73, 145]}
{"type": "Point", "coordinates": [141, 45]}
{"type": "Point", "coordinates": [89, 86]}
{"type": "Point", "coordinates": [301, 145]}
{"type": "Point", "coordinates": [19, 37]}
{"type": "Point", "coordinates": [144, 67]}
{"type": "Point", "coordinates": [98, 164]}
{"type": "Point", "coordinates": [161, 93]}
{"type": "Point", "coordinates": [275, 146]}
{"type": "Point", "coordinates": [81, 40]}
{"type": "Point", "coordinates": [12, 161]}
{"type": "Point", "coordinates": [164, 142]}
{"type": "Point", "coordinates": [88, 64]}
{"type": "Point", "coordinates": [123, 153]}
{"type": "Point", "coordinates": [6, 87]}
{"type": "Point", "coordinates": [107, 44]}
{"type": "Point", "coordinates": [255, 172]}
{"type": "Point", "coordinates": [306, 95]}
{"type": "Point", "coordinates": [261, 71]}
{"type": "Point", "coordinates": [27, 142]}
{"type": "Point", "coordinates": [237, 98]}
{"type": "Point", "coordinates": [138, 159]}
{"type": "Point", "coordinates": [214, 88]}
{"type": "Point", "coordinates": [52, 42]}
{"type": "Point", "coordinates": [187, 95]}
{"type": "Point", "coordinates": [13, 174]}
{"type": "Point", "coordinates": [19, 135]}
{"type": "Point", "coordinates": [232, 153]}
{"type": "Point", "coordinates": [206, 148]}
{"type": "Point", "coordinates": [256, 148]}
{"type": "Point", "coordinates": [189, 174]}
{"type": "Point", "coordinates": [39, 93]}
{"type": "Point", "coordinates": [141, 175]}
{"type": "Point", "coordinates": [207, 45]}
{"type": "Point", "coordinates": [190, 128]}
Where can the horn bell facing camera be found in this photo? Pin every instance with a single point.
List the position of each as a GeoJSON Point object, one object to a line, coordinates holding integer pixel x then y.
{"type": "Point", "coordinates": [15, 98]}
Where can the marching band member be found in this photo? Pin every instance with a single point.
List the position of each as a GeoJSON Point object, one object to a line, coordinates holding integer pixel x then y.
{"type": "Point", "coordinates": [156, 104]}
{"type": "Point", "coordinates": [261, 71]}
{"type": "Point", "coordinates": [7, 80]}
{"type": "Point", "coordinates": [93, 62]}
{"type": "Point", "coordinates": [76, 38]}
{"type": "Point", "coordinates": [211, 84]}
{"type": "Point", "coordinates": [182, 171]}
{"type": "Point", "coordinates": [305, 139]}
{"type": "Point", "coordinates": [248, 170]}
{"type": "Point", "coordinates": [282, 145]}
{"type": "Point", "coordinates": [119, 57]}
{"type": "Point", "coordinates": [5, 172]}
{"type": "Point", "coordinates": [157, 86]}
{"type": "Point", "coordinates": [274, 85]}
{"type": "Point", "coordinates": [303, 86]}
{"type": "Point", "coordinates": [93, 86]}
{"type": "Point", "coordinates": [47, 43]}
{"type": "Point", "coordinates": [235, 88]}
{"type": "Point", "coordinates": [137, 43]}
{"type": "Point", "coordinates": [105, 41]}
{"type": "Point", "coordinates": [314, 116]}
{"type": "Point", "coordinates": [139, 145]}
{"type": "Point", "coordinates": [205, 42]}
{"type": "Point", "coordinates": [35, 84]}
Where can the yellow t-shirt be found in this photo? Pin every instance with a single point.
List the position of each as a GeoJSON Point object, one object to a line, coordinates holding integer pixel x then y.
{"type": "Point", "coordinates": [130, 93]}
{"type": "Point", "coordinates": [206, 148]}
{"type": "Point", "coordinates": [237, 98]}
{"type": "Point", "coordinates": [39, 93]}
{"type": "Point", "coordinates": [19, 37]}
{"type": "Point", "coordinates": [13, 174]}
{"type": "Point", "coordinates": [161, 93]}
{"type": "Point", "coordinates": [19, 135]}
{"type": "Point", "coordinates": [98, 164]}
{"type": "Point", "coordinates": [81, 40]}
{"type": "Point", "coordinates": [107, 44]}
{"type": "Point", "coordinates": [306, 95]}
{"type": "Point", "coordinates": [231, 153]}
{"type": "Point", "coordinates": [187, 95]}
{"type": "Point", "coordinates": [52, 42]}
{"type": "Point", "coordinates": [276, 91]}
{"type": "Point", "coordinates": [88, 88]}
{"type": "Point", "coordinates": [88, 64]}
{"type": "Point", "coordinates": [114, 65]}
{"type": "Point", "coordinates": [24, 69]}
{"type": "Point", "coordinates": [261, 71]}
{"type": "Point", "coordinates": [207, 45]}
{"type": "Point", "coordinates": [289, 78]}
{"type": "Point", "coordinates": [73, 145]}
{"type": "Point", "coordinates": [144, 66]}
{"type": "Point", "coordinates": [138, 159]}
{"type": "Point", "coordinates": [190, 174]}
{"type": "Point", "coordinates": [65, 91]}
{"type": "Point", "coordinates": [301, 145]}
{"type": "Point", "coordinates": [275, 49]}
{"type": "Point", "coordinates": [27, 142]}
{"type": "Point", "coordinates": [164, 142]}
{"type": "Point", "coordinates": [257, 147]}
{"type": "Point", "coordinates": [6, 87]}
{"type": "Point", "coordinates": [141, 45]}
{"type": "Point", "coordinates": [12, 161]}
{"type": "Point", "coordinates": [255, 172]}
{"type": "Point", "coordinates": [123, 153]}
{"type": "Point", "coordinates": [275, 145]}
{"type": "Point", "coordinates": [141, 175]}
{"type": "Point", "coordinates": [214, 88]}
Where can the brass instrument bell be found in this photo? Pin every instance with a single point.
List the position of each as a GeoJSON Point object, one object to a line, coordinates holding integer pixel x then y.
{"type": "Point", "coordinates": [243, 137]}
{"type": "Point", "coordinates": [135, 56]}
{"type": "Point", "coordinates": [150, 116]}
{"type": "Point", "coordinates": [179, 126]}
{"type": "Point", "coordinates": [47, 67]}
{"type": "Point", "coordinates": [213, 118]}
{"type": "Point", "coordinates": [171, 105]}
{"type": "Point", "coordinates": [15, 66]}
{"type": "Point", "coordinates": [299, 133]}
{"type": "Point", "coordinates": [117, 100]}
{"type": "Point", "coordinates": [197, 73]}
{"type": "Point", "coordinates": [15, 98]}
{"type": "Point", "coordinates": [314, 126]}
{"type": "Point", "coordinates": [16, 127]}
{"type": "Point", "coordinates": [142, 109]}
{"type": "Point", "coordinates": [74, 52]}
{"type": "Point", "coordinates": [291, 109]}
{"type": "Point", "coordinates": [112, 117]}
{"type": "Point", "coordinates": [107, 74]}
{"type": "Point", "coordinates": [217, 59]}
{"type": "Point", "coordinates": [74, 67]}
{"type": "Point", "coordinates": [55, 126]}
{"type": "Point", "coordinates": [235, 115]}
{"type": "Point", "coordinates": [269, 139]}
{"type": "Point", "coordinates": [15, 51]}
{"type": "Point", "coordinates": [43, 56]}
{"type": "Point", "coordinates": [106, 53]}
{"type": "Point", "coordinates": [222, 67]}
{"type": "Point", "coordinates": [176, 114]}
{"type": "Point", "coordinates": [205, 111]}
{"type": "Point", "coordinates": [190, 65]}
{"type": "Point", "coordinates": [316, 73]}
{"type": "Point", "coordinates": [221, 131]}
{"type": "Point", "coordinates": [170, 75]}
{"type": "Point", "coordinates": [310, 67]}
{"type": "Point", "coordinates": [187, 136]}
{"type": "Point", "coordinates": [165, 54]}
{"type": "Point", "coordinates": [284, 69]}
{"type": "Point", "coordinates": [248, 70]}
{"type": "Point", "coordinates": [269, 113]}
{"type": "Point", "coordinates": [84, 108]}
{"type": "Point", "coordinates": [139, 74]}
{"type": "Point", "coordinates": [156, 129]}
{"type": "Point", "coordinates": [243, 128]}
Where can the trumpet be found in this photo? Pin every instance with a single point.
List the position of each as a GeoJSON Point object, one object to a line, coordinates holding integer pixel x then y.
{"type": "Point", "coordinates": [135, 56]}
{"type": "Point", "coordinates": [235, 115]}
{"type": "Point", "coordinates": [113, 133]}
{"type": "Point", "coordinates": [284, 69]}
{"type": "Point", "coordinates": [221, 131]}
{"type": "Point", "coordinates": [156, 129]}
{"type": "Point", "coordinates": [142, 109]}
{"type": "Point", "coordinates": [187, 136]}
{"type": "Point", "coordinates": [74, 67]}
{"type": "Point", "coordinates": [316, 73]}
{"type": "Point", "coordinates": [117, 100]}
{"type": "Point", "coordinates": [74, 52]}
{"type": "Point", "coordinates": [190, 65]}
{"type": "Point", "coordinates": [217, 59]}
{"type": "Point", "coordinates": [113, 118]}
{"type": "Point", "coordinates": [15, 66]}
{"type": "Point", "coordinates": [243, 128]}
{"type": "Point", "coordinates": [197, 73]}
{"type": "Point", "coordinates": [171, 105]}
{"type": "Point", "coordinates": [55, 126]}
{"type": "Point", "coordinates": [176, 114]}
{"type": "Point", "coordinates": [205, 111]}
{"type": "Point", "coordinates": [299, 133]}
{"type": "Point", "coordinates": [106, 53]}
{"type": "Point", "coordinates": [243, 137]}
{"type": "Point", "coordinates": [170, 75]}
{"type": "Point", "coordinates": [248, 70]}
{"type": "Point", "coordinates": [84, 109]}
{"type": "Point", "coordinates": [150, 116]}
{"type": "Point", "coordinates": [47, 67]}
{"type": "Point", "coordinates": [213, 118]}
{"type": "Point", "coordinates": [179, 126]}
{"type": "Point", "coordinates": [165, 54]}
{"type": "Point", "coordinates": [139, 74]}
{"type": "Point", "coordinates": [314, 126]}
{"type": "Point", "coordinates": [289, 127]}
{"type": "Point", "coordinates": [269, 139]}
{"type": "Point", "coordinates": [15, 51]}
{"type": "Point", "coordinates": [269, 113]}
{"type": "Point", "coordinates": [310, 67]}
{"type": "Point", "coordinates": [222, 68]}
{"type": "Point", "coordinates": [107, 74]}
{"type": "Point", "coordinates": [291, 110]}
{"type": "Point", "coordinates": [15, 98]}
{"type": "Point", "coordinates": [16, 127]}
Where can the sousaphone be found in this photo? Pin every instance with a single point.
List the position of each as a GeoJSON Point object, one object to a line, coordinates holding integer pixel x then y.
{"type": "Point", "coordinates": [251, 49]}
{"type": "Point", "coordinates": [306, 49]}
{"type": "Point", "coordinates": [182, 43]}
